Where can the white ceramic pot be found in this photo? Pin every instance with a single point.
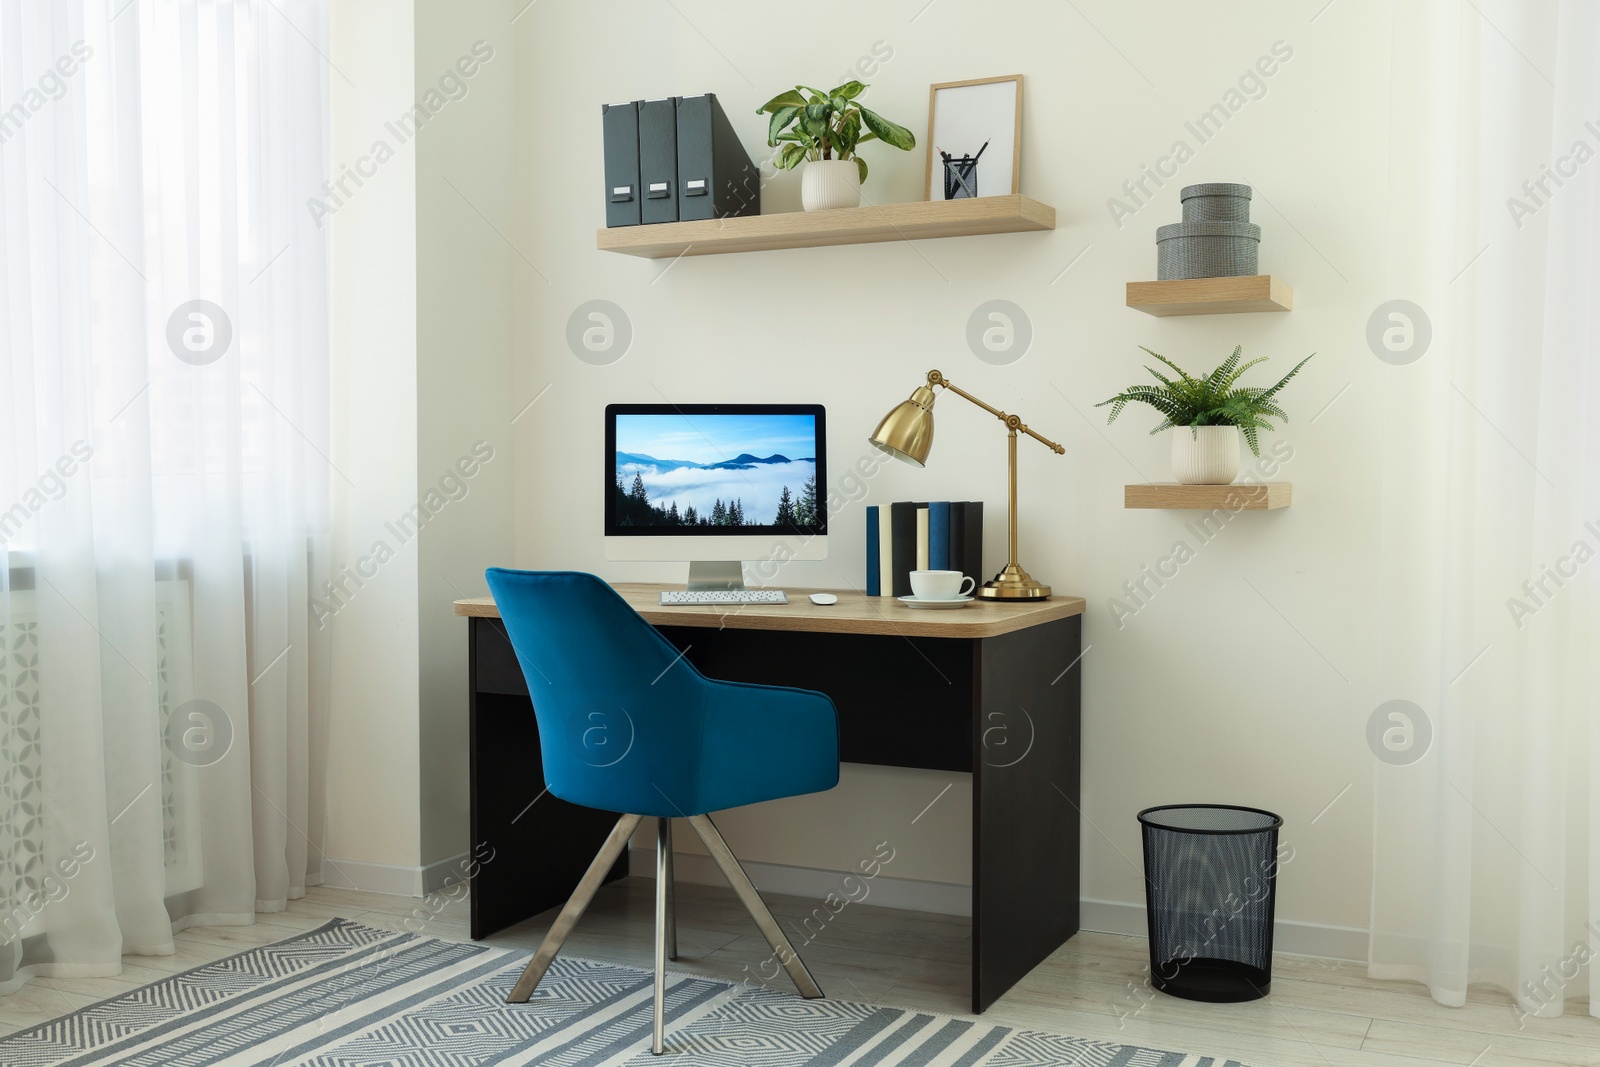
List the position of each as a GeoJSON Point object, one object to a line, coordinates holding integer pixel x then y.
{"type": "Point", "coordinates": [830, 183]}
{"type": "Point", "coordinates": [1205, 455]}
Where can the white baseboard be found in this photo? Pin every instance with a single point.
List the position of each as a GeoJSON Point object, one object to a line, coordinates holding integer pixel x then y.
{"type": "Point", "coordinates": [905, 893]}
{"type": "Point", "coordinates": [942, 898]}
{"type": "Point", "coordinates": [372, 877]}
{"type": "Point", "coordinates": [1098, 916]}
{"type": "Point", "coordinates": [1296, 938]}
{"type": "Point", "coordinates": [391, 879]}
{"type": "Point", "coordinates": [441, 872]}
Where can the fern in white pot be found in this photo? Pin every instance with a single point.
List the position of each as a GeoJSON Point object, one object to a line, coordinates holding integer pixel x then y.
{"type": "Point", "coordinates": [1207, 415]}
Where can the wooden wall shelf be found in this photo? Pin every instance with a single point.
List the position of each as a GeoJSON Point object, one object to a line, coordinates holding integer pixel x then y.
{"type": "Point", "coordinates": [1211, 296]}
{"type": "Point", "coordinates": [1268, 496]}
{"type": "Point", "coordinates": [917, 221]}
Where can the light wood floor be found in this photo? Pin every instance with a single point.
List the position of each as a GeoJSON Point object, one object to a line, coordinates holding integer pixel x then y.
{"type": "Point", "coordinates": [1321, 1013]}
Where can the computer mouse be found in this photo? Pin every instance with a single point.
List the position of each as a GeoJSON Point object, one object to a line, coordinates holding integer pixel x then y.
{"type": "Point", "coordinates": [824, 598]}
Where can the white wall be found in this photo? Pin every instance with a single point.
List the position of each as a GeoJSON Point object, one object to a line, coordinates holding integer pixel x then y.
{"type": "Point", "coordinates": [1250, 676]}
{"type": "Point", "coordinates": [465, 274]}
{"type": "Point", "coordinates": [374, 761]}
{"type": "Point", "coordinates": [421, 356]}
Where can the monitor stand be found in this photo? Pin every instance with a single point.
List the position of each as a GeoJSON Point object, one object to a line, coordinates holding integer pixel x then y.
{"type": "Point", "coordinates": [721, 574]}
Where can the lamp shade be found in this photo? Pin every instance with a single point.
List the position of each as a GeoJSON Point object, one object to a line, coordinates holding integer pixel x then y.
{"type": "Point", "coordinates": [906, 433]}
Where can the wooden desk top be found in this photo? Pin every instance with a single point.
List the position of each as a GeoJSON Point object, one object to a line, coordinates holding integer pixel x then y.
{"type": "Point", "coordinates": [855, 613]}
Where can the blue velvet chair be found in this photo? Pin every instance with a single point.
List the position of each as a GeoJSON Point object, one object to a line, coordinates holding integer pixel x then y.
{"type": "Point", "coordinates": [626, 724]}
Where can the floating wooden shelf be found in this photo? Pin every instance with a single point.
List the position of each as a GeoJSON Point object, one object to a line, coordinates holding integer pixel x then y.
{"type": "Point", "coordinates": [1268, 496]}
{"type": "Point", "coordinates": [916, 221]}
{"type": "Point", "coordinates": [1211, 296]}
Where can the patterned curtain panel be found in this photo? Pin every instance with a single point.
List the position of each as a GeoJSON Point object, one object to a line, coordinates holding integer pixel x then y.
{"type": "Point", "coordinates": [163, 480]}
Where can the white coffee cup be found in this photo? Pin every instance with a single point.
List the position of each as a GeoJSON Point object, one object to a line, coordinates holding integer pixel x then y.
{"type": "Point", "coordinates": [941, 585]}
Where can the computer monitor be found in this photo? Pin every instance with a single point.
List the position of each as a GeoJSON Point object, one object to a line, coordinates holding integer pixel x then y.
{"type": "Point", "coordinates": [715, 485]}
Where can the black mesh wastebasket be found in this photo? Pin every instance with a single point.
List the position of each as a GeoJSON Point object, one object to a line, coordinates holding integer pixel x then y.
{"type": "Point", "coordinates": [1211, 878]}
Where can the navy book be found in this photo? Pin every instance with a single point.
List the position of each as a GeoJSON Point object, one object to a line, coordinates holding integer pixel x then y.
{"type": "Point", "coordinates": [939, 536]}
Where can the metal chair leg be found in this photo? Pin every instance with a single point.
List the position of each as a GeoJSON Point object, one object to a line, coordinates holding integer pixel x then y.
{"type": "Point", "coordinates": [755, 906]}
{"type": "Point", "coordinates": [664, 844]}
{"type": "Point", "coordinates": [592, 879]}
{"type": "Point", "coordinates": [663, 918]}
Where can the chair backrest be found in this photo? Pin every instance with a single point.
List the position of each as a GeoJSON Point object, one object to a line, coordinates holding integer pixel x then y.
{"type": "Point", "coordinates": [620, 711]}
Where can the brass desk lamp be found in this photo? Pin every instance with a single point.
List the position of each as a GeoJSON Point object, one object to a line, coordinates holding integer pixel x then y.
{"type": "Point", "coordinates": [906, 433]}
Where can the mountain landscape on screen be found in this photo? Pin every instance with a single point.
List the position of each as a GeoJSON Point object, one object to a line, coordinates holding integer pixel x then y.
{"type": "Point", "coordinates": [755, 469]}
{"type": "Point", "coordinates": [746, 490]}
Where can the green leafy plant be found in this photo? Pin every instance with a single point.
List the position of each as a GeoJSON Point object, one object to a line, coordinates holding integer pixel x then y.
{"type": "Point", "coordinates": [811, 125]}
{"type": "Point", "coordinates": [1215, 400]}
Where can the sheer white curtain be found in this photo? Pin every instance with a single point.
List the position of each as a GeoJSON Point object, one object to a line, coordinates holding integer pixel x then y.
{"type": "Point", "coordinates": [1487, 849]}
{"type": "Point", "coordinates": [163, 423]}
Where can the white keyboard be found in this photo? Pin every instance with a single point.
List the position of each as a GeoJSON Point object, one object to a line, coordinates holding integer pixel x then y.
{"type": "Point", "coordinates": [684, 597]}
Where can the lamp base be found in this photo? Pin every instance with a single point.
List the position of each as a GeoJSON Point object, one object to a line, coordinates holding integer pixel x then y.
{"type": "Point", "coordinates": [1013, 583]}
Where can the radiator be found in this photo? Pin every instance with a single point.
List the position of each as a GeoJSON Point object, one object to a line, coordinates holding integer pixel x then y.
{"type": "Point", "coordinates": [23, 861]}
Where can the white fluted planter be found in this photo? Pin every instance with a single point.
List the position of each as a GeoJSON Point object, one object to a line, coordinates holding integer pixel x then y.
{"type": "Point", "coordinates": [1205, 455]}
{"type": "Point", "coordinates": [830, 183]}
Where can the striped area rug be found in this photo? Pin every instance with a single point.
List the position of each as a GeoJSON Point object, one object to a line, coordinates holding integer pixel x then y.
{"type": "Point", "coordinates": [346, 994]}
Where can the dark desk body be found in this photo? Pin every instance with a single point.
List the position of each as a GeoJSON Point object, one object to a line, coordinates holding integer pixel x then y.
{"type": "Point", "coordinates": [990, 689]}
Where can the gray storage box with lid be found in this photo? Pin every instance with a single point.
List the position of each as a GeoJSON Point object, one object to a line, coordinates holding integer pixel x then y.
{"type": "Point", "coordinates": [1216, 238]}
{"type": "Point", "coordinates": [1207, 250]}
{"type": "Point", "coordinates": [1216, 202]}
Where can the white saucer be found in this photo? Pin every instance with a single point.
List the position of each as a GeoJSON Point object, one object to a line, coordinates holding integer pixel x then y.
{"type": "Point", "coordinates": [916, 602]}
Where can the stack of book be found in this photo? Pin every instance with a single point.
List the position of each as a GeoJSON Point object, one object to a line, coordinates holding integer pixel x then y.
{"type": "Point", "coordinates": [911, 535]}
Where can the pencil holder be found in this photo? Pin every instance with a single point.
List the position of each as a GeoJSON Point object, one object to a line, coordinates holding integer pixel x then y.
{"type": "Point", "coordinates": [960, 177]}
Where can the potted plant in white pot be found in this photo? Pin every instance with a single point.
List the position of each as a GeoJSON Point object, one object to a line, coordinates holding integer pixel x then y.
{"type": "Point", "coordinates": [1207, 415]}
{"type": "Point", "coordinates": [822, 131]}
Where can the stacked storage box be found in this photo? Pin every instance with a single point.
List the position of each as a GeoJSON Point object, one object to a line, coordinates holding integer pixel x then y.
{"type": "Point", "coordinates": [1216, 238]}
